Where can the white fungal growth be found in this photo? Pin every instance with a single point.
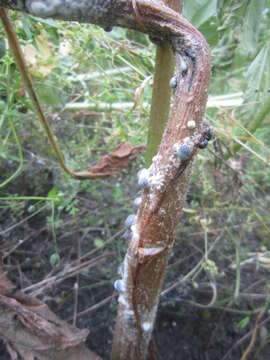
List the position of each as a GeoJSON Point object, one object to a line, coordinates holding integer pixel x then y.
{"type": "Point", "coordinates": [150, 251]}
{"type": "Point", "coordinates": [122, 300]}
{"type": "Point", "coordinates": [146, 326]}
{"type": "Point", "coordinates": [191, 124]}
{"type": "Point", "coordinates": [156, 181]}
{"type": "Point", "coordinates": [135, 233]}
{"type": "Point", "coordinates": [120, 270]}
{"type": "Point", "coordinates": [143, 180]}
{"type": "Point", "coordinates": [156, 158]}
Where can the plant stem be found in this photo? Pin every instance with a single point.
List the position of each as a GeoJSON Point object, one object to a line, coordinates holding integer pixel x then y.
{"type": "Point", "coordinates": [160, 106]}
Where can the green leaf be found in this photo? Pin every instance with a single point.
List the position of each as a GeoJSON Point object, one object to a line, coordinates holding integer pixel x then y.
{"type": "Point", "coordinates": [26, 28]}
{"type": "Point", "coordinates": [209, 31]}
{"type": "Point", "coordinates": [91, 220]}
{"type": "Point", "coordinates": [48, 22]}
{"type": "Point", "coordinates": [244, 322]}
{"type": "Point", "coordinates": [251, 25]}
{"type": "Point", "coordinates": [258, 73]}
{"type": "Point", "coordinates": [2, 47]}
{"type": "Point", "coordinates": [54, 259]}
{"type": "Point", "coordinates": [52, 193]}
{"type": "Point", "coordinates": [116, 193]}
{"type": "Point", "coordinates": [99, 243]}
{"type": "Point", "coordinates": [31, 209]}
{"type": "Point", "coordinates": [199, 12]}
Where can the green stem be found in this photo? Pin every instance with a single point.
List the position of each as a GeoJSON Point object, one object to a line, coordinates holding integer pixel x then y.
{"type": "Point", "coordinates": [160, 106]}
{"type": "Point", "coordinates": [20, 154]}
{"type": "Point", "coordinates": [27, 81]}
{"type": "Point", "coordinates": [238, 273]}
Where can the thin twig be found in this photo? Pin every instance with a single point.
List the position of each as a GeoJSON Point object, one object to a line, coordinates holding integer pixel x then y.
{"type": "Point", "coordinates": [76, 285]}
{"type": "Point", "coordinates": [96, 306]}
{"type": "Point", "coordinates": [254, 335]}
{"type": "Point", "coordinates": [244, 338]}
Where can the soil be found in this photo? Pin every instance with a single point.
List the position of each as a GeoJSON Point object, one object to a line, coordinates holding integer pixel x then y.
{"type": "Point", "coordinates": [183, 330]}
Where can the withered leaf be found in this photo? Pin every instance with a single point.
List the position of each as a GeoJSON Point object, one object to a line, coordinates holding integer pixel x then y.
{"type": "Point", "coordinates": [115, 161]}
{"type": "Point", "coordinates": [30, 329]}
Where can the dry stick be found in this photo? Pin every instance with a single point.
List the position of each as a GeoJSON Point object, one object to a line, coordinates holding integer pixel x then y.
{"type": "Point", "coordinates": [19, 59]}
{"type": "Point", "coordinates": [66, 273]}
{"type": "Point", "coordinates": [245, 337]}
{"type": "Point", "coordinates": [96, 306]}
{"type": "Point", "coordinates": [76, 285]}
{"type": "Point", "coordinates": [192, 271]}
{"type": "Point", "coordinates": [254, 334]}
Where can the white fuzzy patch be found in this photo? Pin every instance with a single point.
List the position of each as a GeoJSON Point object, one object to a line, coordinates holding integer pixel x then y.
{"type": "Point", "coordinates": [191, 124]}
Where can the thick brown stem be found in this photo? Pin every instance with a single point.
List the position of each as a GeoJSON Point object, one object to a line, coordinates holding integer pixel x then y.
{"type": "Point", "coordinates": [167, 184]}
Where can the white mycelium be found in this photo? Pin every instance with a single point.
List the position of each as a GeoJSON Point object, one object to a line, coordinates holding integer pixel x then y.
{"type": "Point", "coordinates": [191, 124]}
{"type": "Point", "coordinates": [143, 178]}
{"type": "Point", "coordinates": [135, 233]}
{"type": "Point", "coordinates": [146, 326]}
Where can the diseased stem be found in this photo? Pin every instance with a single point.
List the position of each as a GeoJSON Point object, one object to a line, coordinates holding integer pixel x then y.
{"type": "Point", "coordinates": [153, 232]}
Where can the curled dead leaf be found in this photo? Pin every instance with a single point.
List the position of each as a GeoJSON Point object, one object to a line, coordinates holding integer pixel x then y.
{"type": "Point", "coordinates": [115, 161]}
{"type": "Point", "coordinates": [32, 331]}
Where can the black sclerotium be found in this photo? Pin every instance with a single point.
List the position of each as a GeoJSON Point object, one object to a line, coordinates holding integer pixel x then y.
{"type": "Point", "coordinates": [209, 134]}
{"type": "Point", "coordinates": [184, 152]}
{"type": "Point", "coordinates": [108, 28]}
{"type": "Point", "coordinates": [157, 40]}
{"type": "Point", "coordinates": [203, 144]}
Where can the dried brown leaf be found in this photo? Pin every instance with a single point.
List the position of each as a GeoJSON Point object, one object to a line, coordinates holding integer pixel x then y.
{"type": "Point", "coordinates": [30, 329]}
{"type": "Point", "coordinates": [115, 161]}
